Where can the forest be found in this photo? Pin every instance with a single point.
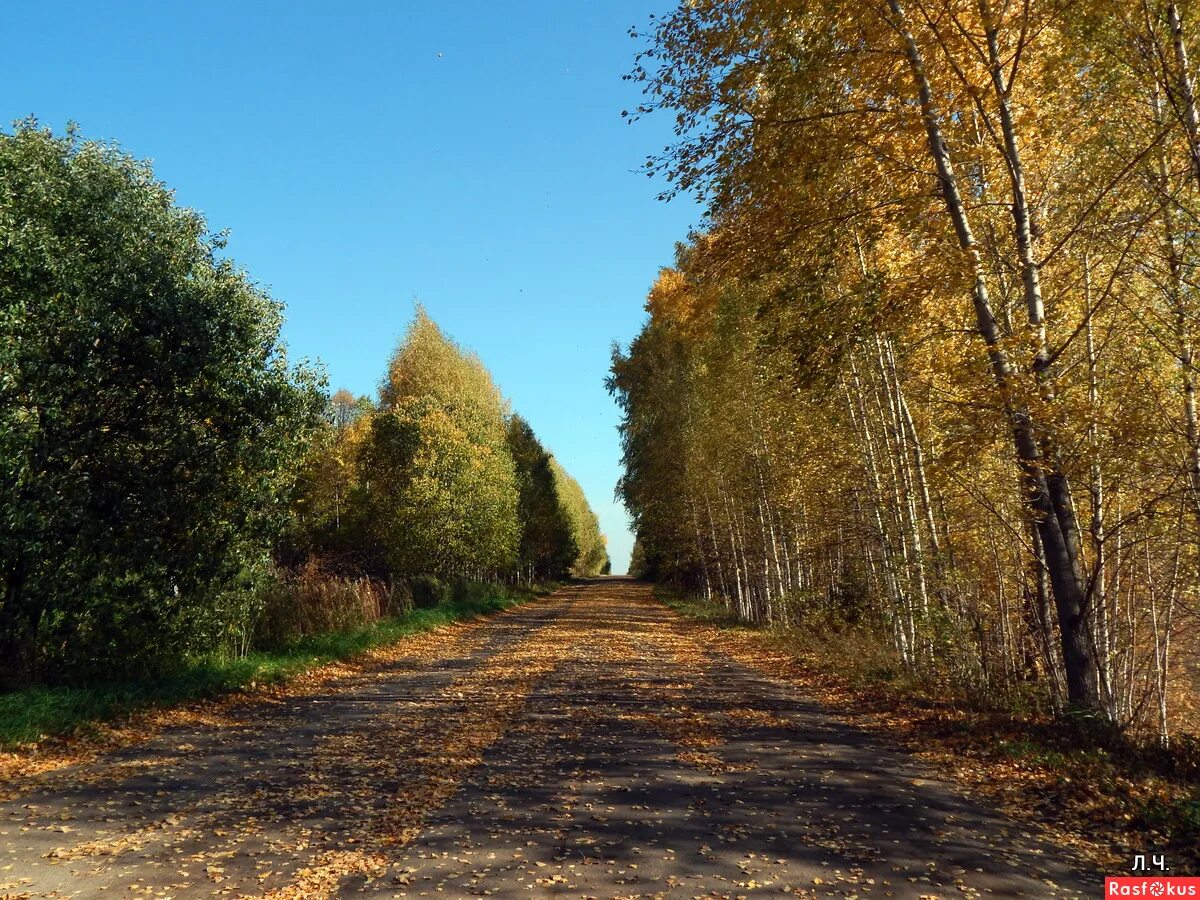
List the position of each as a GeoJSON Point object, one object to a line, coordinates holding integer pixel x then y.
{"type": "Point", "coordinates": [927, 373]}
{"type": "Point", "coordinates": [173, 488]}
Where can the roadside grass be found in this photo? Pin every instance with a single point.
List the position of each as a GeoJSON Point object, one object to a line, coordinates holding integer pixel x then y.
{"type": "Point", "coordinates": [38, 713]}
{"type": "Point", "coordinates": [1109, 794]}
{"type": "Point", "coordinates": [701, 610]}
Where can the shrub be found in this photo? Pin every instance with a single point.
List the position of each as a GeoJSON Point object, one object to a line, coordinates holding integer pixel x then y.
{"type": "Point", "coordinates": [469, 592]}
{"type": "Point", "coordinates": [428, 591]}
{"type": "Point", "coordinates": [149, 421]}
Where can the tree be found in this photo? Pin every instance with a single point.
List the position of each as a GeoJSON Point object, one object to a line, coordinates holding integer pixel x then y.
{"type": "Point", "coordinates": [328, 529]}
{"type": "Point", "coordinates": [548, 548]}
{"type": "Point", "coordinates": [592, 554]}
{"type": "Point", "coordinates": [929, 368]}
{"type": "Point", "coordinates": [438, 481]}
{"type": "Point", "coordinates": [149, 421]}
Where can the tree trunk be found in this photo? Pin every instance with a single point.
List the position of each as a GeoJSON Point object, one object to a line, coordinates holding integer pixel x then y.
{"type": "Point", "coordinates": [1049, 493]}
{"type": "Point", "coordinates": [1187, 93]}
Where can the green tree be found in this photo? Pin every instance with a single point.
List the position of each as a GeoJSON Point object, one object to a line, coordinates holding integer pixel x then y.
{"type": "Point", "coordinates": [592, 557]}
{"type": "Point", "coordinates": [638, 565]}
{"type": "Point", "coordinates": [548, 547]}
{"type": "Point", "coordinates": [149, 421]}
{"type": "Point", "coordinates": [438, 481]}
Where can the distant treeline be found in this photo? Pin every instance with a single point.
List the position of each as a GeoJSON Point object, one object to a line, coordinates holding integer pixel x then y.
{"type": "Point", "coordinates": [167, 476]}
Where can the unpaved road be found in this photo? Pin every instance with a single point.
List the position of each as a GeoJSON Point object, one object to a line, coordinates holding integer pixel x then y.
{"type": "Point", "coordinates": [585, 745]}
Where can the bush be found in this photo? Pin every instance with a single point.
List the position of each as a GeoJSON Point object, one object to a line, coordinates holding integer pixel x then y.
{"type": "Point", "coordinates": [428, 591]}
{"type": "Point", "coordinates": [149, 421]}
{"type": "Point", "coordinates": [399, 599]}
{"type": "Point", "coordinates": [470, 592]}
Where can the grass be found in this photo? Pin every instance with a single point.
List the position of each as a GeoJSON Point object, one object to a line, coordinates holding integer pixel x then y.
{"type": "Point", "coordinates": [701, 610]}
{"type": "Point", "coordinates": [35, 714]}
{"type": "Point", "coordinates": [859, 658]}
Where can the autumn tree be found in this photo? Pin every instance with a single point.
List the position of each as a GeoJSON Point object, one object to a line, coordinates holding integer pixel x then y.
{"type": "Point", "coordinates": [328, 529]}
{"type": "Point", "coordinates": [439, 480]}
{"type": "Point", "coordinates": [930, 359]}
{"type": "Point", "coordinates": [439, 483]}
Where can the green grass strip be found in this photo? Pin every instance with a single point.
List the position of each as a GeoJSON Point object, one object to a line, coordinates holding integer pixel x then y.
{"type": "Point", "coordinates": [37, 713]}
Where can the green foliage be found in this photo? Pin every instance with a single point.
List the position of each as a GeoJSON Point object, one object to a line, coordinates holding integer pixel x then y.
{"type": "Point", "coordinates": [548, 547]}
{"type": "Point", "coordinates": [638, 566]}
{"type": "Point", "coordinates": [1179, 817]}
{"type": "Point", "coordinates": [170, 488]}
{"type": "Point", "coordinates": [585, 527]}
{"type": "Point", "coordinates": [469, 591]}
{"type": "Point", "coordinates": [329, 528]}
{"type": "Point", "coordinates": [149, 422]}
{"type": "Point", "coordinates": [438, 501]}
{"type": "Point", "coordinates": [440, 480]}
{"type": "Point", "coordinates": [699, 608]}
{"type": "Point", "coordinates": [440, 491]}
{"type": "Point", "coordinates": [654, 385]}
{"type": "Point", "coordinates": [427, 365]}
{"type": "Point", "coordinates": [428, 591]}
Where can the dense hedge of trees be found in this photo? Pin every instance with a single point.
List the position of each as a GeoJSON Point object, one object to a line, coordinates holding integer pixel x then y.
{"type": "Point", "coordinates": [591, 550]}
{"type": "Point", "coordinates": [440, 479]}
{"type": "Point", "coordinates": [548, 548]}
{"type": "Point", "coordinates": [163, 466]}
{"type": "Point", "coordinates": [929, 368]}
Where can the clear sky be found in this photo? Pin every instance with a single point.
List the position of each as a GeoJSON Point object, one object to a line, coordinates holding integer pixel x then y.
{"type": "Point", "coordinates": [362, 155]}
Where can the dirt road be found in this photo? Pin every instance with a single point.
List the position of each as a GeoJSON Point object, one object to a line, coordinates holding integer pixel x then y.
{"type": "Point", "coordinates": [585, 745]}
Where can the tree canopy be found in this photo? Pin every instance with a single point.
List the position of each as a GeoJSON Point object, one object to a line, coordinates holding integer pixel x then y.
{"type": "Point", "coordinates": [442, 479]}
{"type": "Point", "coordinates": [162, 463]}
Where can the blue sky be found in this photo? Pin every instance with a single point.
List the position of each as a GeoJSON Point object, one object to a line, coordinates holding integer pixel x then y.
{"type": "Point", "coordinates": [363, 155]}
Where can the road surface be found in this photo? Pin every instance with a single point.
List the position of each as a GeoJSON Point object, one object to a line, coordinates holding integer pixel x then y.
{"type": "Point", "coordinates": [584, 745]}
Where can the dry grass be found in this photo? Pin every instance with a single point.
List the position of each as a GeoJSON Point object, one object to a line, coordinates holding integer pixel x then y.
{"type": "Point", "coordinates": [312, 603]}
